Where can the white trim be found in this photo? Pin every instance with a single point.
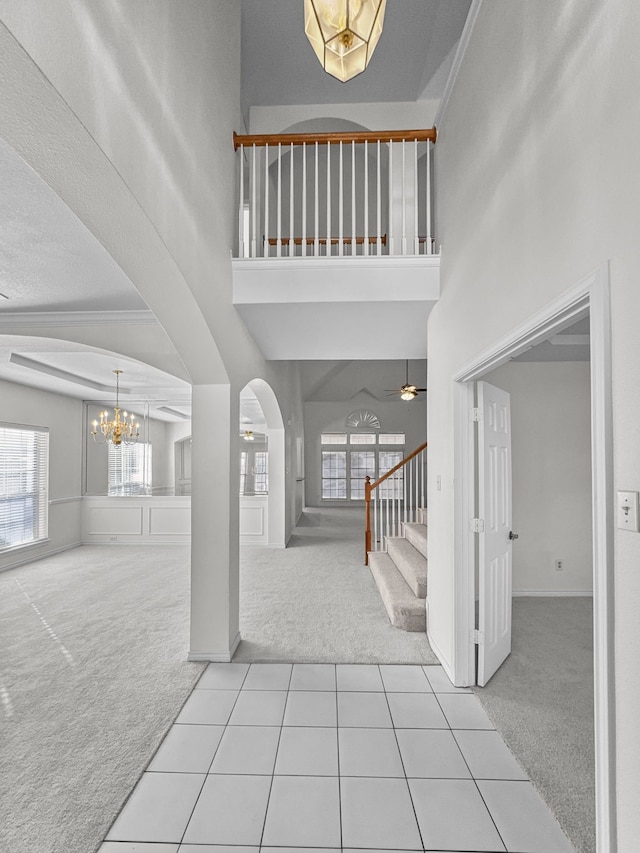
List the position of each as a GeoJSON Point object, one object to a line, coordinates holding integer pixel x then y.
{"type": "Point", "coordinates": [33, 559]}
{"type": "Point", "coordinates": [387, 263]}
{"type": "Point", "coordinates": [217, 656]}
{"type": "Point", "coordinates": [591, 295]}
{"type": "Point", "coordinates": [56, 501]}
{"type": "Point", "coordinates": [461, 49]}
{"type": "Point", "coordinates": [77, 318]}
{"type": "Point", "coordinates": [552, 593]}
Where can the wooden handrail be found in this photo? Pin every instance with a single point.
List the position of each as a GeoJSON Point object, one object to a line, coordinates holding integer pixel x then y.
{"type": "Point", "coordinates": [262, 139]}
{"type": "Point", "coordinates": [369, 487]}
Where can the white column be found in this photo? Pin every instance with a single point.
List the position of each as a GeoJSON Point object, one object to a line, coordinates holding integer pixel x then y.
{"type": "Point", "coordinates": [214, 524]}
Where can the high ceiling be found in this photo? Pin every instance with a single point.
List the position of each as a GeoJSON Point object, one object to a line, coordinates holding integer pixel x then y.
{"type": "Point", "coordinates": [410, 63]}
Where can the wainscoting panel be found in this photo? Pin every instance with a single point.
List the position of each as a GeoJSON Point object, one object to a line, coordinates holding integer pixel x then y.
{"type": "Point", "coordinates": [136, 520]}
{"type": "Point", "coordinates": [169, 521]}
{"type": "Point", "coordinates": [253, 519]}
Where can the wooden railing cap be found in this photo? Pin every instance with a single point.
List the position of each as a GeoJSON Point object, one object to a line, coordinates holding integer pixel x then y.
{"type": "Point", "coordinates": [262, 139]}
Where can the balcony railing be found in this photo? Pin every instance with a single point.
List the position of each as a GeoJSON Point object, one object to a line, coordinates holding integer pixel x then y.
{"type": "Point", "coordinates": [335, 194]}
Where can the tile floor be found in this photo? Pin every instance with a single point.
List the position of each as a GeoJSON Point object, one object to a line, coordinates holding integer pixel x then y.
{"type": "Point", "coordinates": [330, 757]}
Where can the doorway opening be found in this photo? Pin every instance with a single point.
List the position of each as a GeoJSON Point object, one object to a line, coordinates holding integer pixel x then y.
{"type": "Point", "coordinates": [589, 297]}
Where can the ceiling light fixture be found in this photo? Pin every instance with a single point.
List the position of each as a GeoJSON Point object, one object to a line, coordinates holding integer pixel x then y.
{"type": "Point", "coordinates": [344, 33]}
{"type": "Point", "coordinates": [248, 435]}
{"type": "Point", "coordinates": [119, 430]}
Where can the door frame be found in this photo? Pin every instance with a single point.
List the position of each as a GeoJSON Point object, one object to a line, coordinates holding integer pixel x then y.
{"type": "Point", "coordinates": [590, 296]}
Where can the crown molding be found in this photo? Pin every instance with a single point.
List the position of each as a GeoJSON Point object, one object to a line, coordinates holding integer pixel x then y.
{"type": "Point", "coordinates": [49, 319]}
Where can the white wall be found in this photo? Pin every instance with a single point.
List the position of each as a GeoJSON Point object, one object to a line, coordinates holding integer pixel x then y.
{"type": "Point", "coordinates": [538, 184]}
{"type": "Point", "coordinates": [551, 450]}
{"type": "Point", "coordinates": [63, 415]}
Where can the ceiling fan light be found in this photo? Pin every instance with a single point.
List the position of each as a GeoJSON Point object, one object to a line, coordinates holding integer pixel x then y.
{"type": "Point", "coordinates": [408, 392]}
{"type": "Point", "coordinates": [344, 33]}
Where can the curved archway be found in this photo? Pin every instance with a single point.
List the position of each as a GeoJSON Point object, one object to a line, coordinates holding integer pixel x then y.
{"type": "Point", "coordinates": [275, 431]}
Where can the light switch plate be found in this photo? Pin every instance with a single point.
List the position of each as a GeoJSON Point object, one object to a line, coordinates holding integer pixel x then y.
{"type": "Point", "coordinates": [627, 511]}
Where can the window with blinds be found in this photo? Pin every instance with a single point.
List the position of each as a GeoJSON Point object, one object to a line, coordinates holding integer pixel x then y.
{"type": "Point", "coordinates": [24, 482]}
{"type": "Point", "coordinates": [129, 469]}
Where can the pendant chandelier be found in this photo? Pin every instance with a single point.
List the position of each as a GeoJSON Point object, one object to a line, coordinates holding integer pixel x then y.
{"type": "Point", "coordinates": [344, 33]}
{"type": "Point", "coordinates": [123, 429]}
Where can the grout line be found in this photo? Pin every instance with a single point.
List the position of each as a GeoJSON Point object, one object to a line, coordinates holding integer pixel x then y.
{"type": "Point", "coordinates": [275, 759]}
{"type": "Point", "coordinates": [338, 758]}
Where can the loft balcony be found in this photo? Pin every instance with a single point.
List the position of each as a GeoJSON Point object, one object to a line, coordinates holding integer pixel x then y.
{"type": "Point", "coordinates": [335, 254]}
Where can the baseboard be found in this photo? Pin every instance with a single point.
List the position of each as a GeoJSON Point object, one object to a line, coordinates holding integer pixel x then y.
{"type": "Point", "coordinates": [216, 656]}
{"type": "Point", "coordinates": [32, 559]}
{"type": "Point", "coordinates": [552, 593]}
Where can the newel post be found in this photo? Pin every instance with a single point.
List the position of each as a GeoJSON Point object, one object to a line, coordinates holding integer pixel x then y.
{"type": "Point", "coordinates": [367, 532]}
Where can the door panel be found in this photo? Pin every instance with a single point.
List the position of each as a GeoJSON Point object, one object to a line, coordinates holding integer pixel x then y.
{"type": "Point", "coordinates": [494, 507]}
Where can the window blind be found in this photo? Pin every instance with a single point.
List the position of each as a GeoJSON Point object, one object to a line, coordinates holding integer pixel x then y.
{"type": "Point", "coordinates": [24, 476]}
{"type": "Point", "coordinates": [129, 469]}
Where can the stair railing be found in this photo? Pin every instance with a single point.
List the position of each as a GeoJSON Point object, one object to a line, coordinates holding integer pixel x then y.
{"type": "Point", "coordinates": [340, 194]}
{"type": "Point", "coordinates": [395, 498]}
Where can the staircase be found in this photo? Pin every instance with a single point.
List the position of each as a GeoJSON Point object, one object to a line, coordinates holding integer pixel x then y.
{"type": "Point", "coordinates": [400, 574]}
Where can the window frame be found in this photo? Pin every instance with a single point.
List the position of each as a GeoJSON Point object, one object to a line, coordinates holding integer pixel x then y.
{"type": "Point", "coordinates": [350, 447]}
{"type": "Point", "coordinates": [38, 495]}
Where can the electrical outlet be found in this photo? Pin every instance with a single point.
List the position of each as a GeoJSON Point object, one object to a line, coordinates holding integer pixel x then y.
{"type": "Point", "coordinates": [558, 565]}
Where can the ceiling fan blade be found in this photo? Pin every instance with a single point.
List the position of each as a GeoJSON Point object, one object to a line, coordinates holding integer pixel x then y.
{"type": "Point", "coordinates": [421, 389]}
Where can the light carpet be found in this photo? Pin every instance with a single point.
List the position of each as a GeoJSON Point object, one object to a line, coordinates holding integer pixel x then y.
{"type": "Point", "coordinates": [93, 671]}
{"type": "Point", "coordinates": [316, 601]}
{"type": "Point", "coordinates": [541, 701]}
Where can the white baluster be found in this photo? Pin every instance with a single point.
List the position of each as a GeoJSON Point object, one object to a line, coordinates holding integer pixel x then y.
{"type": "Point", "coordinates": [341, 202]}
{"type": "Point", "coordinates": [279, 206]}
{"type": "Point", "coordinates": [353, 197]}
{"type": "Point", "coordinates": [254, 201]}
{"type": "Point", "coordinates": [375, 522]}
{"type": "Point", "coordinates": [404, 201]}
{"type": "Point", "coordinates": [422, 501]}
{"type": "Point", "coordinates": [416, 241]}
{"type": "Point", "coordinates": [328, 250]}
{"type": "Point", "coordinates": [390, 182]}
{"type": "Point", "coordinates": [291, 242]}
{"type": "Point", "coordinates": [266, 201]}
{"type": "Point", "coordinates": [378, 206]}
{"type": "Point", "coordinates": [241, 206]}
{"type": "Point", "coordinates": [365, 248]}
{"type": "Point", "coordinates": [387, 524]}
{"type": "Point", "coordinates": [304, 198]}
{"type": "Point", "coordinates": [316, 242]}
{"type": "Point", "coordinates": [429, 237]}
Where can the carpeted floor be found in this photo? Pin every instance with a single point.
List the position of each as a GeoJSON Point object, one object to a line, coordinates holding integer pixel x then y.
{"type": "Point", "coordinates": [541, 702]}
{"type": "Point", "coordinates": [86, 639]}
{"type": "Point", "coordinates": [316, 601]}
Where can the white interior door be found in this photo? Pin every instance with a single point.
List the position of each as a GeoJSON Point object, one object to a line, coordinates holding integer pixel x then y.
{"type": "Point", "coordinates": [495, 542]}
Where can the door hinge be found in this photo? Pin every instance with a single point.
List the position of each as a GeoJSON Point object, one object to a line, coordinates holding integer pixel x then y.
{"type": "Point", "coordinates": [475, 414]}
{"type": "Point", "coordinates": [477, 637]}
{"type": "Point", "coordinates": [477, 525]}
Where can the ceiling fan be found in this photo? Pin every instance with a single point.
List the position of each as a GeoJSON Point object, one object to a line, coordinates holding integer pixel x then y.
{"type": "Point", "coordinates": [407, 391]}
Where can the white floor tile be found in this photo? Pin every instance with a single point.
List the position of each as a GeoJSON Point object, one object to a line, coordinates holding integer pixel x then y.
{"type": "Point", "coordinates": [230, 810]}
{"type": "Point", "coordinates": [223, 676]}
{"type": "Point", "coordinates": [416, 711]}
{"type": "Point", "coordinates": [524, 821]}
{"type": "Point", "coordinates": [307, 751]}
{"type": "Point", "coordinates": [208, 707]}
{"type": "Point", "coordinates": [158, 809]}
{"type": "Point", "coordinates": [137, 847]}
{"type": "Point", "coordinates": [404, 679]}
{"type": "Point", "coordinates": [313, 676]}
{"type": "Point", "coordinates": [369, 752]}
{"type": "Point", "coordinates": [187, 749]}
{"type": "Point", "coordinates": [439, 681]}
{"type": "Point", "coordinates": [303, 812]}
{"type": "Point", "coordinates": [259, 708]}
{"type": "Point", "coordinates": [268, 676]}
{"type": "Point", "coordinates": [364, 710]}
{"type": "Point", "coordinates": [298, 849]}
{"type": "Point", "coordinates": [358, 677]}
{"type": "Point", "coordinates": [308, 708]}
{"type": "Point", "coordinates": [488, 756]}
{"type": "Point", "coordinates": [377, 813]}
{"type": "Point", "coordinates": [452, 815]}
{"type": "Point", "coordinates": [213, 848]}
{"type": "Point", "coordinates": [431, 754]}
{"type": "Point", "coordinates": [247, 750]}
{"type": "Point", "coordinates": [464, 712]}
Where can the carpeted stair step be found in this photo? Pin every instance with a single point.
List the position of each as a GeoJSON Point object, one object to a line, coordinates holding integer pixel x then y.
{"type": "Point", "coordinates": [405, 610]}
{"type": "Point", "coordinates": [417, 535]}
{"type": "Point", "coordinates": [411, 564]}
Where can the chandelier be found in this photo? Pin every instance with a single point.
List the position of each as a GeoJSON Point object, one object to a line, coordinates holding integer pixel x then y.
{"type": "Point", "coordinates": [123, 429]}
{"type": "Point", "coordinates": [344, 33]}
{"type": "Point", "coordinates": [248, 435]}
